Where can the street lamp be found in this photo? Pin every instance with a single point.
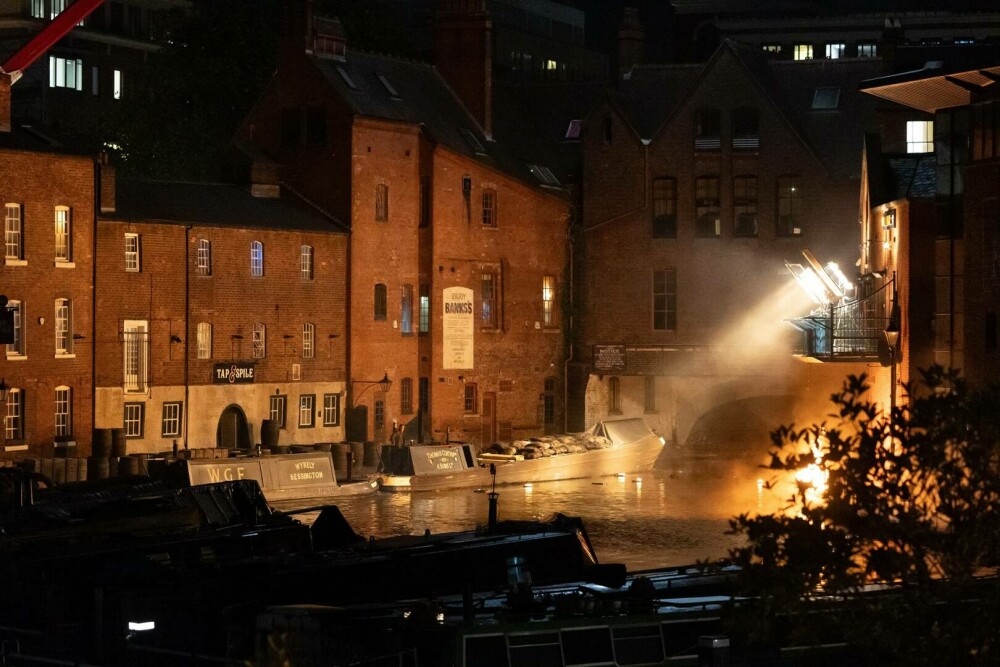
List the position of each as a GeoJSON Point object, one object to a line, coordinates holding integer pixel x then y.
{"type": "Point", "coordinates": [385, 383]}
{"type": "Point", "coordinates": [891, 334]}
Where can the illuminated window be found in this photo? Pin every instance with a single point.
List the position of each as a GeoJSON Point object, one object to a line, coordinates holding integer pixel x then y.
{"type": "Point", "coordinates": [772, 48]}
{"type": "Point", "coordinates": [259, 340]}
{"type": "Point", "coordinates": [204, 340]}
{"type": "Point", "coordinates": [551, 65]}
{"type": "Point", "coordinates": [746, 134]}
{"type": "Point", "coordinates": [135, 339]}
{"type": "Point", "coordinates": [919, 136]}
{"type": "Point", "coordinates": [64, 412]}
{"type": "Point", "coordinates": [133, 419]}
{"type": "Point", "coordinates": [132, 256]}
{"type": "Point", "coordinates": [664, 208]}
{"type": "Point", "coordinates": [38, 9]}
{"type": "Point", "coordinates": [13, 235]}
{"type": "Point", "coordinates": [381, 202]}
{"type": "Point", "coordinates": [331, 409]}
{"type": "Point", "coordinates": [745, 205]}
{"type": "Point", "coordinates": [204, 257]}
{"type": "Point", "coordinates": [276, 409]}
{"type": "Point", "coordinates": [64, 327]}
{"type": "Point", "coordinates": [471, 402]}
{"type": "Point", "coordinates": [16, 349]}
{"type": "Point", "coordinates": [425, 309]}
{"type": "Point", "coordinates": [64, 227]}
{"type": "Point", "coordinates": [308, 340]}
{"type": "Point", "coordinates": [707, 130]}
{"type": "Point", "coordinates": [649, 394]}
{"type": "Point", "coordinates": [488, 291]}
{"type": "Point", "coordinates": [380, 302]}
{"type": "Point", "coordinates": [708, 223]}
{"type": "Point", "coordinates": [665, 300]}
{"type": "Point", "coordinates": [888, 227]}
{"type": "Point", "coordinates": [14, 422]}
{"type": "Point", "coordinates": [803, 52]}
{"type": "Point", "coordinates": [117, 90]}
{"type": "Point", "coordinates": [406, 310]}
{"type": "Point", "coordinates": [256, 259]}
{"type": "Point", "coordinates": [614, 396]}
{"type": "Point", "coordinates": [548, 300]}
{"type": "Point", "coordinates": [789, 205]}
{"type": "Point", "coordinates": [489, 207]}
{"type": "Point", "coordinates": [56, 8]}
{"type": "Point", "coordinates": [65, 73]}
{"type": "Point", "coordinates": [867, 50]}
{"type": "Point", "coordinates": [306, 262]}
{"type": "Point", "coordinates": [307, 410]}
{"type": "Point", "coordinates": [170, 424]}
{"type": "Point", "coordinates": [406, 396]}
{"type": "Point", "coordinates": [835, 50]}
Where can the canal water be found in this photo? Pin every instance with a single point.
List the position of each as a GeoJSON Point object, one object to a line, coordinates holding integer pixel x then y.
{"type": "Point", "coordinates": [676, 514]}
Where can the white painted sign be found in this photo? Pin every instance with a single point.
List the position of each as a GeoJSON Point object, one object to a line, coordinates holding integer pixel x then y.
{"type": "Point", "coordinates": [458, 326]}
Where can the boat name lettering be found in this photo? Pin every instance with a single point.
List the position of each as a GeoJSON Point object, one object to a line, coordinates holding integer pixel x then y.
{"type": "Point", "coordinates": [305, 464]}
{"type": "Point", "coordinates": [318, 474]}
{"type": "Point", "coordinates": [227, 473]}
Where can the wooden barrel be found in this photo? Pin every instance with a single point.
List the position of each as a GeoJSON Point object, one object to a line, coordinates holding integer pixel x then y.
{"type": "Point", "coordinates": [372, 453]}
{"type": "Point", "coordinates": [340, 451]}
{"type": "Point", "coordinates": [269, 433]}
{"type": "Point", "coordinates": [358, 453]}
{"type": "Point", "coordinates": [101, 446]}
{"type": "Point", "coordinates": [118, 442]}
{"type": "Point", "coordinates": [97, 467]}
{"type": "Point", "coordinates": [128, 466]}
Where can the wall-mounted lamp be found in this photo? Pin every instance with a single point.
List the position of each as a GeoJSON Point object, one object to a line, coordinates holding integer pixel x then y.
{"type": "Point", "coordinates": [385, 383]}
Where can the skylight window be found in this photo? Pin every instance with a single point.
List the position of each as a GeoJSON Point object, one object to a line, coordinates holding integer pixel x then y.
{"type": "Point", "coordinates": [826, 98]}
{"type": "Point", "coordinates": [573, 131]}
{"type": "Point", "coordinates": [346, 77]}
{"type": "Point", "coordinates": [543, 174]}
{"type": "Point", "coordinates": [388, 86]}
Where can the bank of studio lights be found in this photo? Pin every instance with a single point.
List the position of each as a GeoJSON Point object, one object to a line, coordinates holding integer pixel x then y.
{"type": "Point", "coordinates": [824, 284]}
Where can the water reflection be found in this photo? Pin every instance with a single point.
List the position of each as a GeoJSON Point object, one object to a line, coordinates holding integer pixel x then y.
{"type": "Point", "coordinates": [673, 515]}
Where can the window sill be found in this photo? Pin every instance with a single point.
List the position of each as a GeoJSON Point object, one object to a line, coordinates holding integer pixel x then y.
{"type": "Point", "coordinates": [65, 265]}
{"type": "Point", "coordinates": [65, 356]}
{"type": "Point", "coordinates": [15, 448]}
{"type": "Point", "coordinates": [16, 262]}
{"type": "Point", "coordinates": [17, 357]}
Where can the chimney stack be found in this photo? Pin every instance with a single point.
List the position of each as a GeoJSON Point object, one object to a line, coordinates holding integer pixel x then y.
{"type": "Point", "coordinates": [631, 42]}
{"type": "Point", "coordinates": [463, 53]}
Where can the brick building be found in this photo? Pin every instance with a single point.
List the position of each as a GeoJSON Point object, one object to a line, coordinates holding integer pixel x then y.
{"type": "Point", "coordinates": [47, 277]}
{"type": "Point", "coordinates": [434, 204]}
{"type": "Point", "coordinates": [217, 308]}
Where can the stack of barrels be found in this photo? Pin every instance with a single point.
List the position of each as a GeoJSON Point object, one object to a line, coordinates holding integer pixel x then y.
{"type": "Point", "coordinates": [108, 456]}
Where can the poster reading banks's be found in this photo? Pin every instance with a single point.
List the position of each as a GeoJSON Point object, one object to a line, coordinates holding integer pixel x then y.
{"type": "Point", "coordinates": [457, 326]}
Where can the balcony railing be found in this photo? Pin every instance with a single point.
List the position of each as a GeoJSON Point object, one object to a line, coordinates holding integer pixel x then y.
{"type": "Point", "coordinates": [847, 331]}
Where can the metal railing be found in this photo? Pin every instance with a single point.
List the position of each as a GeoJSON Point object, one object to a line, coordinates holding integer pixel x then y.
{"type": "Point", "coordinates": [847, 331]}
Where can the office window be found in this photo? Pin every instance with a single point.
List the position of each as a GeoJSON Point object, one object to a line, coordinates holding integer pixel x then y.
{"type": "Point", "coordinates": [707, 130]}
{"type": "Point", "coordinates": [38, 9]}
{"type": "Point", "coordinates": [425, 308]}
{"type": "Point", "coordinates": [746, 131]}
{"type": "Point", "coordinates": [380, 302]}
{"type": "Point", "coordinates": [489, 207]}
{"type": "Point", "coordinates": [789, 205]}
{"type": "Point", "coordinates": [134, 418]}
{"type": "Point", "coordinates": [471, 402]}
{"type": "Point", "coordinates": [14, 423]}
{"type": "Point", "coordinates": [488, 291]}
{"type": "Point", "coordinates": [649, 394]}
{"type": "Point", "coordinates": [664, 208]}
{"type": "Point", "coordinates": [307, 411]}
{"type": "Point", "coordinates": [708, 222]}
{"type": "Point", "coordinates": [204, 340]}
{"type": "Point", "coordinates": [16, 349]}
{"type": "Point", "coordinates": [772, 48]}
{"type": "Point", "coordinates": [835, 50]}
{"type": "Point", "coordinates": [116, 91]}
{"type": "Point", "coordinates": [406, 396]}
{"type": "Point", "coordinates": [65, 73]}
{"type": "Point", "coordinates": [826, 99]}
{"type": "Point", "coordinates": [64, 327]}
{"type": "Point", "coordinates": [13, 233]}
{"type": "Point", "coordinates": [406, 310]}
{"type": "Point", "coordinates": [331, 409]}
{"type": "Point", "coordinates": [745, 205]}
{"type": "Point", "coordinates": [548, 301]}
{"type": "Point", "coordinates": [64, 412]}
{"type": "Point", "coordinates": [614, 396]}
{"type": "Point", "coordinates": [276, 409]}
{"type": "Point", "coordinates": [204, 257]}
{"type": "Point", "coordinates": [919, 136]}
{"type": "Point", "coordinates": [381, 202]}
{"type": "Point", "coordinates": [665, 300]}
{"type": "Point", "coordinates": [171, 422]}
{"type": "Point", "coordinates": [135, 339]}
{"type": "Point", "coordinates": [256, 259]}
{"type": "Point", "coordinates": [867, 50]}
{"type": "Point", "coordinates": [56, 8]}
{"type": "Point", "coordinates": [802, 52]}
{"type": "Point", "coordinates": [64, 228]}
{"type": "Point", "coordinates": [132, 256]}
{"type": "Point", "coordinates": [307, 262]}
{"type": "Point", "coordinates": [308, 340]}
{"type": "Point", "coordinates": [259, 340]}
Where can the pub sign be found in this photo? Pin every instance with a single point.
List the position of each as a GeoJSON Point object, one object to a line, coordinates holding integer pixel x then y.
{"type": "Point", "coordinates": [234, 372]}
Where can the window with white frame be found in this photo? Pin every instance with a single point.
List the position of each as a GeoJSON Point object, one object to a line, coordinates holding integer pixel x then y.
{"type": "Point", "coordinates": [132, 255]}
{"type": "Point", "coordinates": [307, 262]}
{"type": "Point", "coordinates": [63, 228]}
{"type": "Point", "coordinates": [802, 52]}
{"type": "Point", "coordinates": [835, 50]}
{"type": "Point", "coordinates": [56, 8]}
{"type": "Point", "coordinates": [64, 412]}
{"type": "Point", "coordinates": [204, 266]}
{"type": "Point", "coordinates": [276, 410]}
{"type": "Point", "coordinates": [133, 419]}
{"type": "Point", "coordinates": [135, 339]}
{"type": "Point", "coordinates": [256, 259]}
{"type": "Point", "coordinates": [64, 327]}
{"type": "Point", "coordinates": [548, 300]}
{"type": "Point", "coordinates": [13, 232]}
{"type": "Point", "coordinates": [14, 421]}
{"type": "Point", "coordinates": [425, 309]}
{"type": "Point", "coordinates": [38, 9]}
{"type": "Point", "coordinates": [204, 340]}
{"type": "Point", "coordinates": [116, 92]}
{"type": "Point", "coordinates": [307, 410]}
{"type": "Point", "coordinates": [919, 136]}
{"type": "Point", "coordinates": [16, 349]}
{"type": "Point", "coordinates": [867, 49]}
{"type": "Point", "coordinates": [171, 422]}
{"type": "Point", "coordinates": [259, 340]}
{"type": "Point", "coordinates": [308, 340]}
{"type": "Point", "coordinates": [65, 73]}
{"type": "Point", "coordinates": [331, 409]}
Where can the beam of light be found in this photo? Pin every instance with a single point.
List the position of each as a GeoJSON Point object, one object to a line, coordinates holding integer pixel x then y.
{"type": "Point", "coordinates": [809, 283]}
{"type": "Point", "coordinates": [833, 270]}
{"type": "Point", "coordinates": [831, 287]}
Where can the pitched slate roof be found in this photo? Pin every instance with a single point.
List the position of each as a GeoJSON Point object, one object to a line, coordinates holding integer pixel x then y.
{"type": "Point", "coordinates": [911, 176]}
{"type": "Point", "coordinates": [215, 205]}
{"type": "Point", "coordinates": [649, 94]}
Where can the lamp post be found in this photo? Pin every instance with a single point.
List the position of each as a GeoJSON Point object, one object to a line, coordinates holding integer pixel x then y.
{"type": "Point", "coordinates": [892, 338]}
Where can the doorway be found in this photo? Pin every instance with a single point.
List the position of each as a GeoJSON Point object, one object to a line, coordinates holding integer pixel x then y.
{"type": "Point", "coordinates": [232, 432]}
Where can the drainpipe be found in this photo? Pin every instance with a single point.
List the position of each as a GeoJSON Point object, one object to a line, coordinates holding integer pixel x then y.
{"type": "Point", "coordinates": [187, 329]}
{"type": "Point", "coordinates": [93, 302]}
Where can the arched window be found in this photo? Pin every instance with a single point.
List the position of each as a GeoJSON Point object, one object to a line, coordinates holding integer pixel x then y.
{"type": "Point", "coordinates": [204, 340]}
{"type": "Point", "coordinates": [406, 396]}
{"type": "Point", "coordinates": [308, 340]}
{"type": "Point", "coordinates": [380, 301]}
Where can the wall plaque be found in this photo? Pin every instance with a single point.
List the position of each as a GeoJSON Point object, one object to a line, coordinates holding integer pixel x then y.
{"type": "Point", "coordinates": [609, 358]}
